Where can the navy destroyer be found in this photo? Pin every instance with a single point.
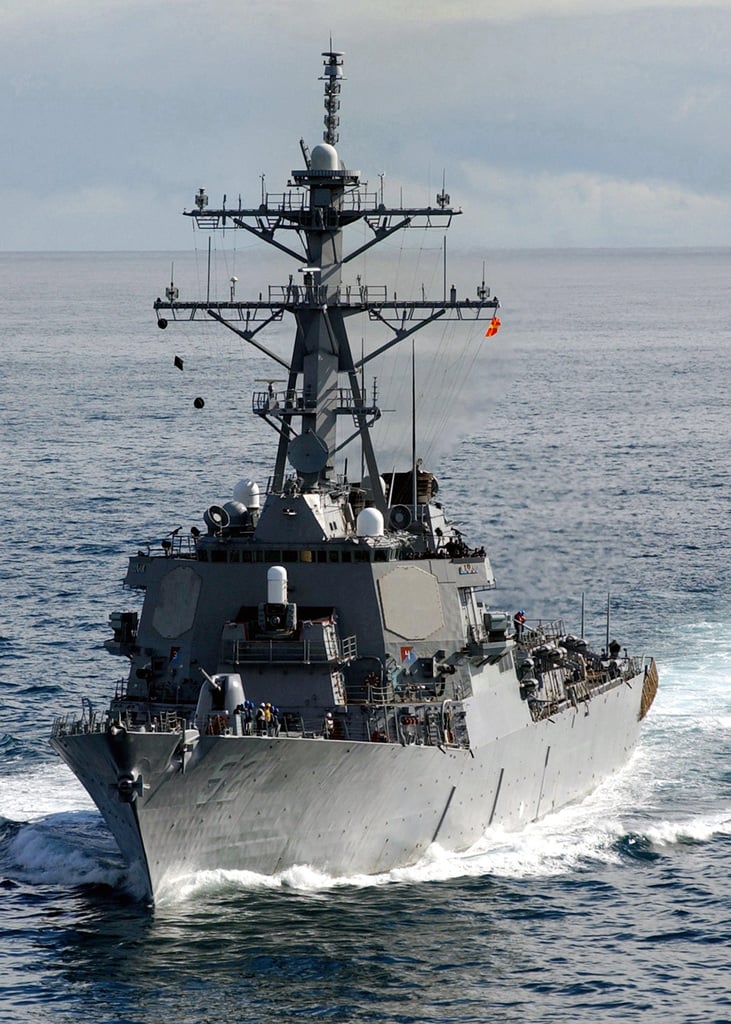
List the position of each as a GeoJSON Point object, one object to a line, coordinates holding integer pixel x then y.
{"type": "Point", "coordinates": [319, 673]}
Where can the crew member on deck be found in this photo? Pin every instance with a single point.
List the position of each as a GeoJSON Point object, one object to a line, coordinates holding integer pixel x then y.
{"type": "Point", "coordinates": [261, 721]}
{"type": "Point", "coordinates": [519, 623]}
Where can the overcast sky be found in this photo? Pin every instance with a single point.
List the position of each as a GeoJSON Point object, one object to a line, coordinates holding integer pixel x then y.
{"type": "Point", "coordinates": [557, 122]}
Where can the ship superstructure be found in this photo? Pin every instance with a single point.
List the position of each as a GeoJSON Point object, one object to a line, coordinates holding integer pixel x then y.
{"type": "Point", "coordinates": [320, 676]}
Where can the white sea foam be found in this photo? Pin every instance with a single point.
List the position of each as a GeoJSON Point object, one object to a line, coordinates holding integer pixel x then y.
{"type": "Point", "coordinates": [696, 680]}
{"type": "Point", "coordinates": [698, 829]}
{"type": "Point", "coordinates": [62, 839]}
{"type": "Point", "coordinates": [214, 881]}
{"type": "Point", "coordinates": [44, 790]}
{"type": "Point", "coordinates": [66, 850]}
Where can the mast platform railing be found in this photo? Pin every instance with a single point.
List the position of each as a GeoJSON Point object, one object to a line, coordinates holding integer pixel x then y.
{"type": "Point", "coordinates": [275, 204]}
{"type": "Point", "coordinates": [294, 402]}
{"type": "Point", "coordinates": [350, 299]}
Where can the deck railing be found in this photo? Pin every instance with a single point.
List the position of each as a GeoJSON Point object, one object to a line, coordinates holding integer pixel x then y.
{"type": "Point", "coordinates": [297, 652]}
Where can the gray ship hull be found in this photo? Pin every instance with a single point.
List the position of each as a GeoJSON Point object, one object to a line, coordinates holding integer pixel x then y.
{"type": "Point", "coordinates": [265, 804]}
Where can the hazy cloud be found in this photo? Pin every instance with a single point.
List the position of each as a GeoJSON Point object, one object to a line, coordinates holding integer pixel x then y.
{"type": "Point", "coordinates": [584, 122]}
{"type": "Point", "coordinates": [574, 209]}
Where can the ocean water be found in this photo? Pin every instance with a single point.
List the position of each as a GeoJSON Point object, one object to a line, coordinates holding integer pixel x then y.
{"type": "Point", "coordinates": [587, 446]}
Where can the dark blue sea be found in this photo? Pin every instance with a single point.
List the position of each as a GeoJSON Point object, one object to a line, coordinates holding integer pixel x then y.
{"type": "Point", "coordinates": [587, 446]}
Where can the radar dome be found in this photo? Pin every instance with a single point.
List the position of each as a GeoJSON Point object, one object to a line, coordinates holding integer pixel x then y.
{"type": "Point", "coordinates": [369, 523]}
{"type": "Point", "coordinates": [247, 492]}
{"type": "Point", "coordinates": [324, 157]}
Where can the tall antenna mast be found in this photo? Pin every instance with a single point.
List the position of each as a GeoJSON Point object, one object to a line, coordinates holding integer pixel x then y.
{"type": "Point", "coordinates": [414, 491]}
{"type": "Point", "coordinates": [310, 226]}
{"type": "Point", "coordinates": [332, 77]}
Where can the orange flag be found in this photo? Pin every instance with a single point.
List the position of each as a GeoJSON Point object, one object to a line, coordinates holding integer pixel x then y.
{"type": "Point", "coordinates": [493, 328]}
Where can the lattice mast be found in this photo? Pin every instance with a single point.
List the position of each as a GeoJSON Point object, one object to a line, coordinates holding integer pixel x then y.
{"type": "Point", "coordinates": [322, 200]}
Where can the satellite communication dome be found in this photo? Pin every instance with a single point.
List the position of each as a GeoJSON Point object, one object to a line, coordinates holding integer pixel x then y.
{"type": "Point", "coordinates": [324, 157]}
{"type": "Point", "coordinates": [247, 492]}
{"type": "Point", "coordinates": [369, 523]}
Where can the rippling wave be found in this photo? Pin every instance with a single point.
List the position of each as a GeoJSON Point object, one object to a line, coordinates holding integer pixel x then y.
{"type": "Point", "coordinates": [589, 455]}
